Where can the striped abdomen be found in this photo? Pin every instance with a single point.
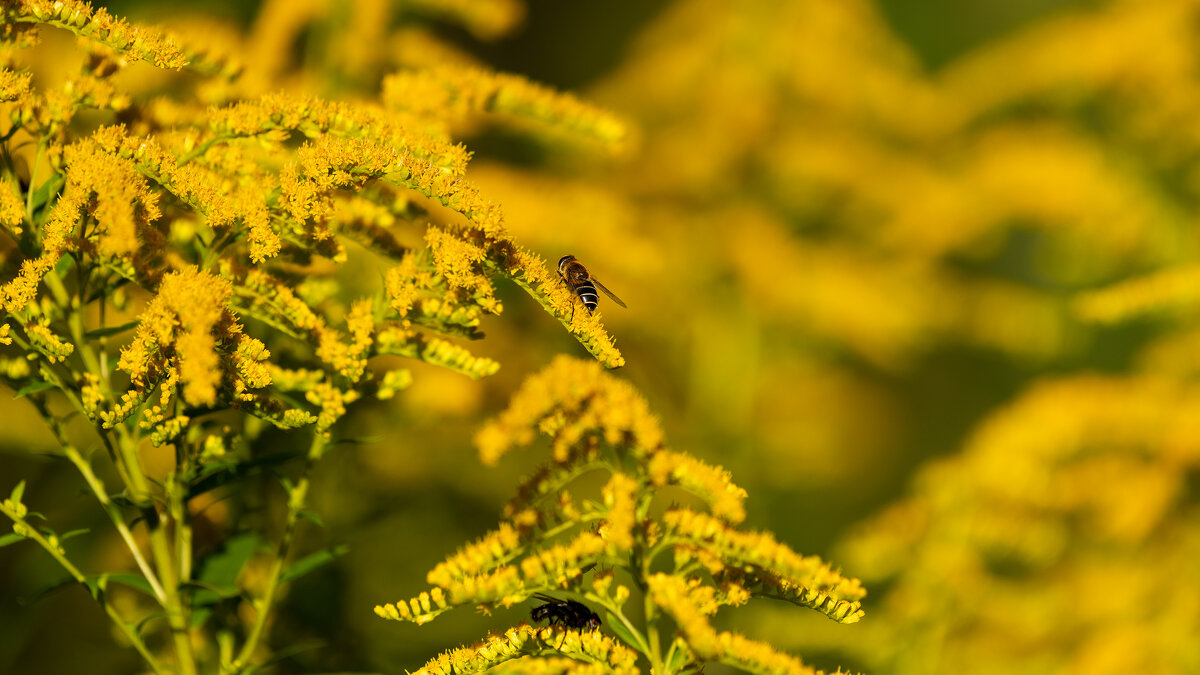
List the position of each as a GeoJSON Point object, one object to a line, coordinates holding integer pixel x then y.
{"type": "Point", "coordinates": [586, 291]}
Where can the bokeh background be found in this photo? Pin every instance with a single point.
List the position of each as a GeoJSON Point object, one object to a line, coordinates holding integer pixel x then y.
{"type": "Point", "coordinates": [921, 273]}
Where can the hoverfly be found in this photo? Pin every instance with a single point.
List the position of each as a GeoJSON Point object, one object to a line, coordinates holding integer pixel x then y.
{"type": "Point", "coordinates": [569, 614]}
{"type": "Point", "coordinates": [582, 283]}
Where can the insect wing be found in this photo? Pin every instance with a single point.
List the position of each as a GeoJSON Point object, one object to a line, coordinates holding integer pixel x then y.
{"type": "Point", "coordinates": [608, 292]}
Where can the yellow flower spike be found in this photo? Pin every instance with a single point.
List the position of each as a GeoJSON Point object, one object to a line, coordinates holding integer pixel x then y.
{"type": "Point", "coordinates": [139, 42]}
{"type": "Point", "coordinates": [713, 484]}
{"type": "Point", "coordinates": [6, 334]}
{"type": "Point", "coordinates": [57, 238]}
{"type": "Point", "coordinates": [12, 207]}
{"type": "Point", "coordinates": [1161, 291]}
{"type": "Point", "coordinates": [190, 312]}
{"type": "Point", "coordinates": [620, 497]}
{"type": "Point", "coordinates": [459, 262]}
{"type": "Point", "coordinates": [485, 19]}
{"type": "Point", "coordinates": [313, 117]}
{"type": "Point", "coordinates": [759, 657]}
{"type": "Point", "coordinates": [671, 593]}
{"type": "Point", "coordinates": [807, 580]}
{"type": "Point", "coordinates": [47, 343]}
{"type": "Point", "coordinates": [563, 563]}
{"type": "Point", "coordinates": [458, 92]}
{"type": "Point", "coordinates": [489, 551]}
{"type": "Point", "coordinates": [14, 87]}
{"type": "Point", "coordinates": [593, 401]}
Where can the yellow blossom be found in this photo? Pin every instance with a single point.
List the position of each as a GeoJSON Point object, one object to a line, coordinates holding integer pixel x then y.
{"type": "Point", "coordinates": [485, 19]}
{"type": "Point", "coordinates": [820, 587]}
{"type": "Point", "coordinates": [459, 91]}
{"type": "Point", "coordinates": [12, 210]}
{"type": "Point", "coordinates": [493, 549]}
{"type": "Point", "coordinates": [595, 402]}
{"type": "Point", "coordinates": [139, 42]}
{"type": "Point", "coordinates": [620, 498]}
{"type": "Point", "coordinates": [50, 345]}
{"type": "Point", "coordinates": [713, 484]}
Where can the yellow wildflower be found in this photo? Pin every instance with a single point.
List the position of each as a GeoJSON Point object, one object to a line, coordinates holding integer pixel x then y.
{"type": "Point", "coordinates": [713, 484]}
{"type": "Point", "coordinates": [489, 551]}
{"type": "Point", "coordinates": [485, 19]}
{"type": "Point", "coordinates": [1162, 290]}
{"type": "Point", "coordinates": [47, 343]}
{"type": "Point", "coordinates": [821, 588]}
{"type": "Point", "coordinates": [12, 209]}
{"type": "Point", "coordinates": [592, 400]}
{"type": "Point", "coordinates": [620, 498]}
{"type": "Point", "coordinates": [459, 91]}
{"type": "Point", "coordinates": [138, 42]}
{"type": "Point", "coordinates": [13, 86]}
{"type": "Point", "coordinates": [672, 593]}
{"type": "Point", "coordinates": [188, 329]}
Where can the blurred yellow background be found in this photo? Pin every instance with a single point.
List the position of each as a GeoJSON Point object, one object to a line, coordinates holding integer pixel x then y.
{"type": "Point", "coordinates": [922, 275]}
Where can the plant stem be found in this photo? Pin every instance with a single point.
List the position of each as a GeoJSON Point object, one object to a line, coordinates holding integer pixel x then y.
{"type": "Point", "coordinates": [296, 502]}
{"type": "Point", "coordinates": [31, 533]}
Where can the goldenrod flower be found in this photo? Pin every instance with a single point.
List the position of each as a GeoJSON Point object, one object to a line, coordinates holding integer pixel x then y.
{"type": "Point", "coordinates": [486, 19]}
{"type": "Point", "coordinates": [12, 210]}
{"type": "Point", "coordinates": [139, 42]}
{"type": "Point", "coordinates": [818, 585]}
{"type": "Point", "coordinates": [457, 91]}
{"type": "Point", "coordinates": [593, 401]}
{"type": "Point", "coordinates": [620, 498]}
{"type": "Point", "coordinates": [713, 484]}
{"type": "Point", "coordinates": [187, 331]}
{"type": "Point", "coordinates": [495, 548]}
{"type": "Point", "coordinates": [54, 348]}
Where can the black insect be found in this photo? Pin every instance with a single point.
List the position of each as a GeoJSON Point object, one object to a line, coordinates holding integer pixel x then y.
{"type": "Point", "coordinates": [566, 613]}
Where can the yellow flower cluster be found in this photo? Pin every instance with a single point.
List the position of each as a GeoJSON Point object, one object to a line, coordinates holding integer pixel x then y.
{"type": "Point", "coordinates": [711, 483]}
{"type": "Point", "coordinates": [189, 331]}
{"type": "Point", "coordinates": [138, 42]}
{"type": "Point", "coordinates": [1171, 288]}
{"type": "Point", "coordinates": [599, 423]}
{"type": "Point", "coordinates": [486, 19]}
{"type": "Point", "coordinates": [50, 345]}
{"type": "Point", "coordinates": [465, 91]}
{"type": "Point", "coordinates": [495, 548]}
{"type": "Point", "coordinates": [584, 401]}
{"type": "Point", "coordinates": [525, 640]}
{"type": "Point", "coordinates": [56, 240]}
{"type": "Point", "coordinates": [620, 498]}
{"type": "Point", "coordinates": [688, 603]}
{"type": "Point", "coordinates": [818, 585]}
{"type": "Point", "coordinates": [13, 86]}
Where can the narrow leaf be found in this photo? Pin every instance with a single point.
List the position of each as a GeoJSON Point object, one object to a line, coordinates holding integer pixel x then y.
{"type": "Point", "coordinates": [110, 330]}
{"type": "Point", "coordinates": [622, 631]}
{"type": "Point", "coordinates": [312, 562]}
{"type": "Point", "coordinates": [33, 388]}
{"type": "Point", "coordinates": [10, 538]}
{"type": "Point", "coordinates": [17, 493]}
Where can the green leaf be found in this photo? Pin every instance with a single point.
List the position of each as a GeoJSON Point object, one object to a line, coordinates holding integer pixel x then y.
{"type": "Point", "coordinates": [623, 632]}
{"type": "Point", "coordinates": [71, 534]}
{"type": "Point", "coordinates": [10, 538]}
{"type": "Point", "coordinates": [33, 388]}
{"type": "Point", "coordinates": [18, 492]}
{"type": "Point", "coordinates": [110, 330]}
{"type": "Point", "coordinates": [99, 582]}
{"type": "Point", "coordinates": [47, 189]}
{"type": "Point", "coordinates": [312, 562]}
{"type": "Point", "coordinates": [219, 571]}
{"type": "Point", "coordinates": [312, 516]}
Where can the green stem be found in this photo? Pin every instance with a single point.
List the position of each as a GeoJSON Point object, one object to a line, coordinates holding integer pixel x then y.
{"type": "Point", "coordinates": [98, 489]}
{"type": "Point", "coordinates": [31, 533]}
{"type": "Point", "coordinates": [296, 502]}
